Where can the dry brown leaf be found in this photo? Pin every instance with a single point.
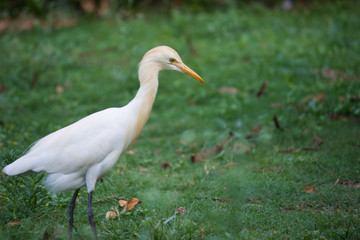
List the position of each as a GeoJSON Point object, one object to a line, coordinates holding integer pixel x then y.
{"type": "Point", "coordinates": [59, 89]}
{"type": "Point", "coordinates": [165, 165]}
{"type": "Point", "coordinates": [142, 169]}
{"type": "Point", "coordinates": [231, 164]}
{"type": "Point", "coordinates": [318, 98]}
{"type": "Point", "coordinates": [317, 141]}
{"type": "Point", "coordinates": [122, 203]}
{"type": "Point", "coordinates": [131, 203]}
{"type": "Point", "coordinates": [310, 190]}
{"type": "Point", "coordinates": [228, 90]}
{"type": "Point", "coordinates": [181, 210]}
{"type": "Point", "coordinates": [11, 224]}
{"type": "Point", "coordinates": [255, 130]}
{"type": "Point", "coordinates": [212, 151]}
{"type": "Point", "coordinates": [110, 215]}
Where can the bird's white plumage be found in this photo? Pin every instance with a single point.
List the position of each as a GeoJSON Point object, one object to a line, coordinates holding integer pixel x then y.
{"type": "Point", "coordinates": [80, 153]}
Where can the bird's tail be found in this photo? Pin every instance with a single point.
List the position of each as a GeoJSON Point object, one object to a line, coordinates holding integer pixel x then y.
{"type": "Point", "coordinates": [21, 165]}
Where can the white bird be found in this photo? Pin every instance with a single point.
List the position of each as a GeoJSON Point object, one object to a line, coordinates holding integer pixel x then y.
{"type": "Point", "coordinates": [79, 154]}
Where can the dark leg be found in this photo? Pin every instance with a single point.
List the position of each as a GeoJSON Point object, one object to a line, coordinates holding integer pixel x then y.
{"type": "Point", "coordinates": [71, 212]}
{"type": "Point", "coordinates": [91, 215]}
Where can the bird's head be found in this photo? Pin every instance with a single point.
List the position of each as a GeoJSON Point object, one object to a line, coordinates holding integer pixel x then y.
{"type": "Point", "coordinates": [166, 58]}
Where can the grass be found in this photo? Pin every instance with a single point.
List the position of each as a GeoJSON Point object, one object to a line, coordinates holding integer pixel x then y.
{"type": "Point", "coordinates": [302, 54]}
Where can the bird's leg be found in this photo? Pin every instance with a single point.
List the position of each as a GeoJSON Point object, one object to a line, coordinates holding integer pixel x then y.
{"type": "Point", "coordinates": [91, 215]}
{"type": "Point", "coordinates": [71, 212]}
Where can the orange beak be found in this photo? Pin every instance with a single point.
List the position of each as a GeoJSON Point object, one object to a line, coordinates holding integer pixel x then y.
{"type": "Point", "coordinates": [185, 69]}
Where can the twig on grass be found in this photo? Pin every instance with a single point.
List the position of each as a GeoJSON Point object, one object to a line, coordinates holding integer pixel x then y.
{"type": "Point", "coordinates": [212, 151]}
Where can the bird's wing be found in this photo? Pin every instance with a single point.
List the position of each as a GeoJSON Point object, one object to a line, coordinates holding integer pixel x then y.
{"type": "Point", "coordinates": [78, 146]}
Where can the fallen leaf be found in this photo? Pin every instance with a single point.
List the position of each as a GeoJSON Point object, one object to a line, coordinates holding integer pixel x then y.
{"type": "Point", "coordinates": [255, 130]}
{"type": "Point", "coordinates": [262, 89]}
{"type": "Point", "coordinates": [228, 90]}
{"type": "Point", "coordinates": [122, 203]}
{"type": "Point", "coordinates": [165, 165]}
{"type": "Point", "coordinates": [131, 203]}
{"type": "Point", "coordinates": [318, 98]}
{"type": "Point", "coordinates": [157, 152]}
{"type": "Point", "coordinates": [230, 164]}
{"type": "Point", "coordinates": [212, 151]}
{"type": "Point", "coordinates": [317, 141]}
{"type": "Point", "coordinates": [110, 215]}
{"type": "Point", "coordinates": [11, 224]}
{"type": "Point", "coordinates": [181, 210]}
{"type": "Point", "coordinates": [59, 89]}
{"type": "Point", "coordinates": [310, 190]}
{"type": "Point", "coordinates": [141, 169]}
{"type": "Point", "coordinates": [128, 205]}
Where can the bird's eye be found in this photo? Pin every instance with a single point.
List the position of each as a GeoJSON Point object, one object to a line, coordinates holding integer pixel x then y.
{"type": "Point", "coordinates": [172, 60]}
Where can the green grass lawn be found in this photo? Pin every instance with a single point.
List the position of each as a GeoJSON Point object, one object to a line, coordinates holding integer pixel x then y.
{"type": "Point", "coordinates": [266, 183]}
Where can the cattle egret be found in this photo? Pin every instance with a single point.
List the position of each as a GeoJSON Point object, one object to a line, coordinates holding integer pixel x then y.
{"type": "Point", "coordinates": [79, 154]}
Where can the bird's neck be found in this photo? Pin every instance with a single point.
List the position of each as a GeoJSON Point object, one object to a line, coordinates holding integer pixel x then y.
{"type": "Point", "coordinates": [142, 104]}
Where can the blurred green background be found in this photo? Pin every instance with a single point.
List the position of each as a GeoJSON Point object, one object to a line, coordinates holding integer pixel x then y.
{"type": "Point", "coordinates": [282, 76]}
